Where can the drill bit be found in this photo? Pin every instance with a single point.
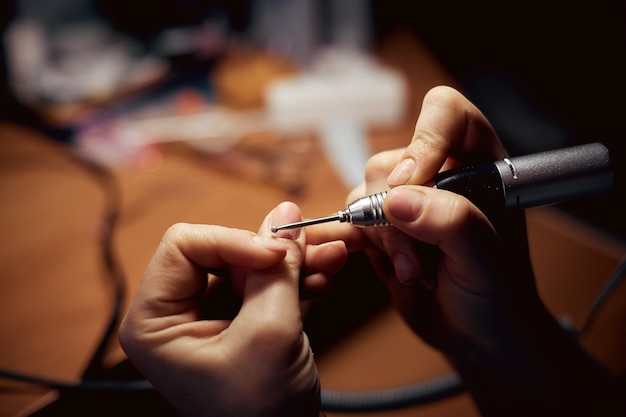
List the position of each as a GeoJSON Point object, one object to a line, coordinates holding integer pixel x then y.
{"type": "Point", "coordinates": [333, 218]}
{"type": "Point", "coordinates": [517, 183]}
{"type": "Point", "coordinates": [364, 212]}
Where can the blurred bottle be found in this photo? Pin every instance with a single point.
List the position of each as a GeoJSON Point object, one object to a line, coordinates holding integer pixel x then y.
{"type": "Point", "coordinates": [288, 27]}
{"type": "Point", "coordinates": [350, 24]}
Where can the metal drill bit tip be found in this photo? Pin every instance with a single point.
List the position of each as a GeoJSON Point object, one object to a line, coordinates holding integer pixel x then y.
{"type": "Point", "coordinates": [333, 218]}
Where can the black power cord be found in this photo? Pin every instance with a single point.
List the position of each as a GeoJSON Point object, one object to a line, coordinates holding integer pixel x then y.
{"type": "Point", "coordinates": [111, 216]}
{"type": "Point", "coordinates": [333, 401]}
{"type": "Point", "coordinates": [342, 401]}
{"type": "Point", "coordinates": [111, 213]}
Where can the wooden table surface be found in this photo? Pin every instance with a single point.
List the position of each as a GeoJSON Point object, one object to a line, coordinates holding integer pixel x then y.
{"type": "Point", "coordinates": [57, 296]}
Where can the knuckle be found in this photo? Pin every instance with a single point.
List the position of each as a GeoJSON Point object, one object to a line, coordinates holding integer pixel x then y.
{"type": "Point", "coordinates": [127, 337]}
{"type": "Point", "coordinates": [459, 212]}
{"type": "Point", "coordinates": [381, 164]}
{"type": "Point", "coordinates": [178, 233]}
{"type": "Point", "coordinates": [175, 232]}
{"type": "Point", "coordinates": [168, 255]}
{"type": "Point", "coordinates": [429, 142]}
{"type": "Point", "coordinates": [442, 95]}
{"type": "Point", "coordinates": [462, 217]}
{"type": "Point", "coordinates": [446, 216]}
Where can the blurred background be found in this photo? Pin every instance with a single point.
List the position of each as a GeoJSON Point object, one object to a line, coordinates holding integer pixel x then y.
{"type": "Point", "coordinates": [200, 110]}
{"type": "Point", "coordinates": [547, 74]}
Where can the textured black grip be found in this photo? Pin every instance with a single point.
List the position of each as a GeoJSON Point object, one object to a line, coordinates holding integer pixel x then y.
{"type": "Point", "coordinates": [532, 180]}
{"type": "Point", "coordinates": [481, 184]}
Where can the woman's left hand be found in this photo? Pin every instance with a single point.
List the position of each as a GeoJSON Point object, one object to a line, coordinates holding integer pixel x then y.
{"type": "Point", "coordinates": [258, 363]}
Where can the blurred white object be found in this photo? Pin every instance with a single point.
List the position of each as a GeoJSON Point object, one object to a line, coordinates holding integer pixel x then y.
{"type": "Point", "coordinates": [340, 85]}
{"type": "Point", "coordinates": [26, 55]}
{"type": "Point", "coordinates": [350, 23]}
{"type": "Point", "coordinates": [346, 147]}
{"type": "Point", "coordinates": [344, 92]}
{"type": "Point", "coordinates": [214, 130]}
{"type": "Point", "coordinates": [287, 27]}
{"type": "Point", "coordinates": [85, 60]}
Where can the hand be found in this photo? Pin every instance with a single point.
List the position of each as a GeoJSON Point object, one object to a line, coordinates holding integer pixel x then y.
{"type": "Point", "coordinates": [464, 283]}
{"type": "Point", "coordinates": [479, 267]}
{"type": "Point", "coordinates": [256, 364]}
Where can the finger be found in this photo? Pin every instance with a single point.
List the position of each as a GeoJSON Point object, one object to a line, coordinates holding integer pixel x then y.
{"type": "Point", "coordinates": [380, 165]}
{"type": "Point", "coordinates": [177, 271]}
{"type": "Point", "coordinates": [404, 254]}
{"type": "Point", "coordinates": [404, 260]}
{"type": "Point", "coordinates": [327, 257]}
{"type": "Point", "coordinates": [448, 124]}
{"type": "Point", "coordinates": [463, 234]}
{"type": "Point", "coordinates": [320, 263]}
{"type": "Point", "coordinates": [358, 191]}
{"type": "Point", "coordinates": [314, 286]}
{"type": "Point", "coordinates": [376, 172]}
{"type": "Point", "coordinates": [324, 258]}
{"type": "Point", "coordinates": [271, 295]}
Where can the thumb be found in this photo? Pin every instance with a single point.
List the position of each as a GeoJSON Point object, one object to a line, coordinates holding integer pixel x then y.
{"type": "Point", "coordinates": [271, 295]}
{"type": "Point", "coordinates": [466, 238]}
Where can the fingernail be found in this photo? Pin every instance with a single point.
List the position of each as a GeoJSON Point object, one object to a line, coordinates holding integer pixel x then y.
{"type": "Point", "coordinates": [405, 271]}
{"type": "Point", "coordinates": [269, 243]}
{"type": "Point", "coordinates": [278, 217]}
{"type": "Point", "coordinates": [402, 173]}
{"type": "Point", "coordinates": [405, 205]}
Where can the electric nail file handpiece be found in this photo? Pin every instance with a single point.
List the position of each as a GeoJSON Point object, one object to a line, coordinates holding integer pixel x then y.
{"type": "Point", "coordinates": [518, 182]}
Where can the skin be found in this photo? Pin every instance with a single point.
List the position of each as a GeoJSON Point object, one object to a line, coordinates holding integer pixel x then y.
{"type": "Point", "coordinates": [463, 282]}
{"type": "Point", "coordinates": [261, 353]}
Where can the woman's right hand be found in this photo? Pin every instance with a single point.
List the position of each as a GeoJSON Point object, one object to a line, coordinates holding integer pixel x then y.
{"type": "Point", "coordinates": [464, 282]}
{"type": "Point", "coordinates": [458, 278]}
